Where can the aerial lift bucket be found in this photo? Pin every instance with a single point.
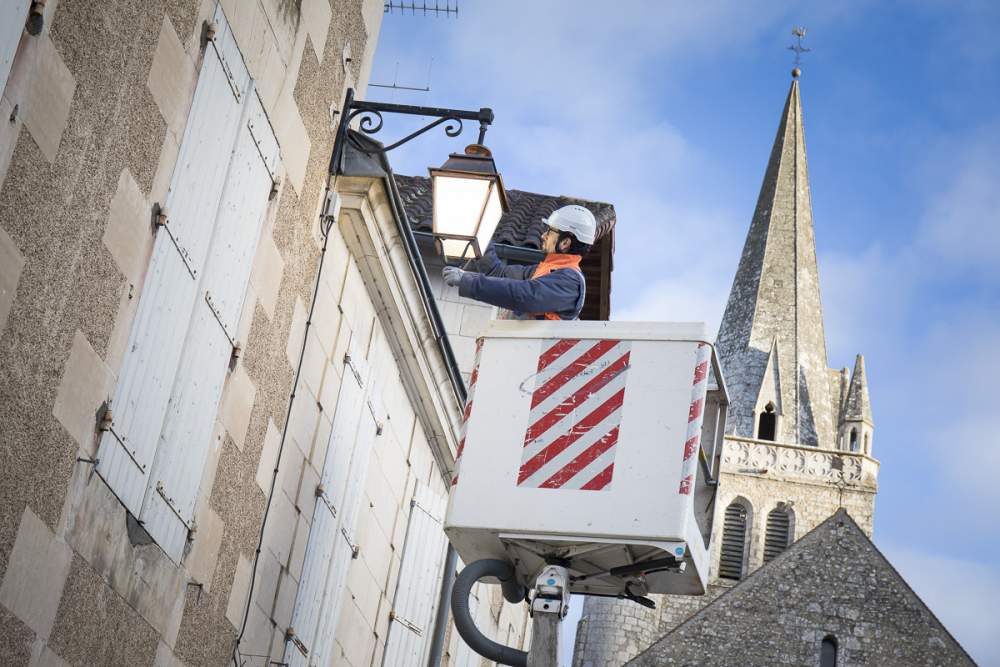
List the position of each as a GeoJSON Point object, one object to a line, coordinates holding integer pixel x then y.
{"type": "Point", "coordinates": [593, 447]}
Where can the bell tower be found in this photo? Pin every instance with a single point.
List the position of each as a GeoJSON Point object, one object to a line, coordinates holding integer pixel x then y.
{"type": "Point", "coordinates": [788, 461]}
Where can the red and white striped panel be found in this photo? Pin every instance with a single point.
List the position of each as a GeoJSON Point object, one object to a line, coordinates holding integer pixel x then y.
{"type": "Point", "coordinates": [468, 407]}
{"type": "Point", "coordinates": [575, 414]}
{"type": "Point", "coordinates": [696, 415]}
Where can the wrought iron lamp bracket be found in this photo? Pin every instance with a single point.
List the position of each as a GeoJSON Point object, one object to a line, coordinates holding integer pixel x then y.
{"type": "Point", "coordinates": [371, 121]}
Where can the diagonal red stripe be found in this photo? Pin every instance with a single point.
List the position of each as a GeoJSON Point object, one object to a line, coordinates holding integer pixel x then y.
{"type": "Point", "coordinates": [554, 448]}
{"type": "Point", "coordinates": [695, 411]}
{"type": "Point", "coordinates": [571, 371]}
{"type": "Point", "coordinates": [685, 488]}
{"type": "Point", "coordinates": [555, 352]}
{"type": "Point", "coordinates": [700, 372]}
{"type": "Point", "coordinates": [690, 446]}
{"type": "Point", "coordinates": [587, 457]}
{"type": "Point", "coordinates": [468, 411]}
{"type": "Point", "coordinates": [582, 394]}
{"type": "Point", "coordinates": [600, 480]}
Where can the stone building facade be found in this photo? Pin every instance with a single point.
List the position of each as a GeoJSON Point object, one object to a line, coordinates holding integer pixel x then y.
{"type": "Point", "coordinates": [799, 434]}
{"type": "Point", "coordinates": [276, 494]}
{"type": "Point", "coordinates": [830, 599]}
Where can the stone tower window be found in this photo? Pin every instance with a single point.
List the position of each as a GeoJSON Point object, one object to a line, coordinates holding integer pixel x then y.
{"type": "Point", "coordinates": [735, 537]}
{"type": "Point", "coordinates": [854, 439]}
{"type": "Point", "coordinates": [868, 449]}
{"type": "Point", "coordinates": [828, 652]}
{"type": "Point", "coordinates": [767, 426]}
{"type": "Point", "coordinates": [779, 532]}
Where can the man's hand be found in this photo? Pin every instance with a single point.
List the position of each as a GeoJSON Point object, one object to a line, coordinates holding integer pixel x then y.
{"type": "Point", "coordinates": [452, 275]}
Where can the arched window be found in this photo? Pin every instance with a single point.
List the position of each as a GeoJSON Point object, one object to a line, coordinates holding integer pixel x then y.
{"type": "Point", "coordinates": [854, 439]}
{"type": "Point", "coordinates": [732, 556]}
{"type": "Point", "coordinates": [828, 652]}
{"type": "Point", "coordinates": [767, 427]}
{"type": "Point", "coordinates": [779, 532]}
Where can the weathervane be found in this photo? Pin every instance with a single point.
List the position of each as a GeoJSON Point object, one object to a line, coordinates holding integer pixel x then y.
{"type": "Point", "coordinates": [800, 34]}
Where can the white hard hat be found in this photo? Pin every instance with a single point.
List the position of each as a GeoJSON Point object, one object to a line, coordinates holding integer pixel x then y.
{"type": "Point", "coordinates": [575, 219]}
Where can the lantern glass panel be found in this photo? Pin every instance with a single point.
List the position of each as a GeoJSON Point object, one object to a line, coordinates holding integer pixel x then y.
{"type": "Point", "coordinates": [459, 203]}
{"type": "Point", "coordinates": [491, 217]}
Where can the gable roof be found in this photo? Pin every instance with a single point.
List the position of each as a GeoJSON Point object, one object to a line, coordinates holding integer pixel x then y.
{"type": "Point", "coordinates": [834, 580]}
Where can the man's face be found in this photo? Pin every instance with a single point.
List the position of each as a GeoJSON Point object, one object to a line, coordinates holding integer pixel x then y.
{"type": "Point", "coordinates": [549, 240]}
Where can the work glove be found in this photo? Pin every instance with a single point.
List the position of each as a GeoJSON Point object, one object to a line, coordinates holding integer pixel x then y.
{"type": "Point", "coordinates": [452, 275]}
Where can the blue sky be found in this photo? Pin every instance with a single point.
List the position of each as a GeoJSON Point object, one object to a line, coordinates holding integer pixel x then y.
{"type": "Point", "coordinates": [668, 110]}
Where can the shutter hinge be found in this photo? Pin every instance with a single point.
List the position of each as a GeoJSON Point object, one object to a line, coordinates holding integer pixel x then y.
{"type": "Point", "coordinates": [409, 625]}
{"type": "Point", "coordinates": [161, 219]}
{"type": "Point", "coordinates": [218, 318]}
{"type": "Point", "coordinates": [275, 178]}
{"type": "Point", "coordinates": [227, 71]}
{"type": "Point", "coordinates": [415, 504]}
{"type": "Point", "coordinates": [290, 636]}
{"type": "Point", "coordinates": [162, 491]}
{"type": "Point", "coordinates": [321, 494]}
{"type": "Point", "coordinates": [378, 424]}
{"type": "Point", "coordinates": [161, 216]}
{"type": "Point", "coordinates": [354, 371]}
{"type": "Point", "coordinates": [120, 438]}
{"type": "Point", "coordinates": [355, 548]}
{"type": "Point", "coordinates": [106, 418]}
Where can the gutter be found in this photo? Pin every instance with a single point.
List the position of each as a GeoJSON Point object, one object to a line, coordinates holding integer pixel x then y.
{"type": "Point", "coordinates": [417, 265]}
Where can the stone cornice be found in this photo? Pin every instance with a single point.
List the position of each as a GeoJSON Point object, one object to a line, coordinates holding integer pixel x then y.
{"type": "Point", "coordinates": [810, 465]}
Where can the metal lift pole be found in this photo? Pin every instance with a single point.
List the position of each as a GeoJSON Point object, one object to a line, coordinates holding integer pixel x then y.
{"type": "Point", "coordinates": [549, 606]}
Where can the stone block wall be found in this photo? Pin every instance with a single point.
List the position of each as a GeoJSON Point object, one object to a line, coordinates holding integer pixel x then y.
{"type": "Point", "coordinates": [102, 97]}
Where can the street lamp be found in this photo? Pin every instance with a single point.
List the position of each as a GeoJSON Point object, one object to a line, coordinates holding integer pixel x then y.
{"type": "Point", "coordinates": [468, 194]}
{"type": "Point", "coordinates": [469, 199]}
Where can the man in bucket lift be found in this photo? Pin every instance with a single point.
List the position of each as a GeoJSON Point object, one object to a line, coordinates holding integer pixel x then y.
{"type": "Point", "coordinates": [551, 290]}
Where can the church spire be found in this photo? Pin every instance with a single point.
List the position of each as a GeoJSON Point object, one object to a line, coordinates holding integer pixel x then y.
{"type": "Point", "coordinates": [774, 305]}
{"type": "Point", "coordinates": [857, 405]}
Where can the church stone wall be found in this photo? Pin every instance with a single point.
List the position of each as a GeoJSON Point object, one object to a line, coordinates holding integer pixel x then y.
{"type": "Point", "coordinates": [611, 632]}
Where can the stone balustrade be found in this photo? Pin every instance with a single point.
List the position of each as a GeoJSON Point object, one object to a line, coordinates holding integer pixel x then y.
{"type": "Point", "coordinates": [802, 463]}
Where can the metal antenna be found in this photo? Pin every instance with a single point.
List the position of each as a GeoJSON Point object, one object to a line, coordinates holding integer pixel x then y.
{"type": "Point", "coordinates": [414, 6]}
{"type": "Point", "coordinates": [395, 86]}
{"type": "Point", "coordinates": [800, 34]}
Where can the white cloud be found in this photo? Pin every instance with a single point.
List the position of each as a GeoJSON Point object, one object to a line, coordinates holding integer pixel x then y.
{"type": "Point", "coordinates": [962, 593]}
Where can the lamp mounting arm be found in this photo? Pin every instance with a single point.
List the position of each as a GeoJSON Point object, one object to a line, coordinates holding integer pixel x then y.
{"type": "Point", "coordinates": [370, 114]}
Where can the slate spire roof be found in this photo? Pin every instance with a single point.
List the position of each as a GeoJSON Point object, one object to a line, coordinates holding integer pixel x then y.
{"type": "Point", "coordinates": [832, 581]}
{"type": "Point", "coordinates": [775, 298]}
{"type": "Point", "coordinates": [857, 405]}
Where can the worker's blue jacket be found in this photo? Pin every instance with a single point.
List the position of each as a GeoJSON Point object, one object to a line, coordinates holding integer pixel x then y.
{"type": "Point", "coordinates": [553, 289]}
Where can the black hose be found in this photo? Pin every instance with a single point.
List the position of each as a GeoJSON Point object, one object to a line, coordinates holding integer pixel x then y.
{"type": "Point", "coordinates": [512, 591]}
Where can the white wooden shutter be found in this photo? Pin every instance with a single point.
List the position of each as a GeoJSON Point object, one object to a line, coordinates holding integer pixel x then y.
{"type": "Point", "coordinates": [332, 534]}
{"type": "Point", "coordinates": [169, 507]}
{"type": "Point", "coordinates": [13, 14]}
{"type": "Point", "coordinates": [167, 301]}
{"type": "Point", "coordinates": [419, 581]}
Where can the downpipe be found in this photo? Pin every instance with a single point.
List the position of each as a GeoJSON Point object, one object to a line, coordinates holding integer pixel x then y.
{"type": "Point", "coordinates": [513, 592]}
